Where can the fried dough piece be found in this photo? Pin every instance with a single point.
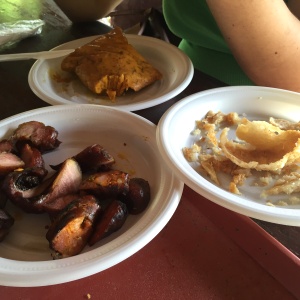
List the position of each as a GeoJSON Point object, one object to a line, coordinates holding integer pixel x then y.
{"type": "Point", "coordinates": [110, 64]}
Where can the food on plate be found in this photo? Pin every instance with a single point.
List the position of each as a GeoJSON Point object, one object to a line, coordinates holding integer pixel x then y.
{"type": "Point", "coordinates": [94, 157]}
{"type": "Point", "coordinates": [85, 196]}
{"type": "Point", "coordinates": [265, 147]}
{"type": "Point", "coordinates": [9, 162]}
{"type": "Point", "coordinates": [109, 64]}
{"type": "Point", "coordinates": [138, 195]}
{"type": "Point", "coordinates": [43, 137]}
{"type": "Point", "coordinates": [6, 222]}
{"type": "Point", "coordinates": [113, 183]}
{"type": "Point", "coordinates": [71, 229]}
{"type": "Point", "coordinates": [112, 219]}
{"type": "Point", "coordinates": [267, 152]}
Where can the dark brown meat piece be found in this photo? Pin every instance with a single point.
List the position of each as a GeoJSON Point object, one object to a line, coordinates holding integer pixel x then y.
{"type": "Point", "coordinates": [6, 222]}
{"type": "Point", "coordinates": [54, 207]}
{"type": "Point", "coordinates": [31, 156]}
{"type": "Point", "coordinates": [93, 158]}
{"type": "Point", "coordinates": [29, 191]}
{"type": "Point", "coordinates": [41, 136]}
{"type": "Point", "coordinates": [111, 220]}
{"type": "Point", "coordinates": [21, 186]}
{"type": "Point", "coordinates": [3, 199]}
{"type": "Point", "coordinates": [70, 231]}
{"type": "Point", "coordinates": [112, 183]}
{"type": "Point", "coordinates": [138, 196]}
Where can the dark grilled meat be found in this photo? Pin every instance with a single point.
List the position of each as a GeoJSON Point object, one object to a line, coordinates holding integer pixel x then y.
{"type": "Point", "coordinates": [138, 196]}
{"type": "Point", "coordinates": [72, 228]}
{"type": "Point", "coordinates": [6, 222]}
{"type": "Point", "coordinates": [41, 136]}
{"type": "Point", "coordinates": [111, 220]}
{"type": "Point", "coordinates": [93, 158]}
{"type": "Point", "coordinates": [31, 156]}
{"type": "Point", "coordinates": [112, 183]}
{"type": "Point", "coordinates": [21, 186]}
{"type": "Point", "coordinates": [27, 189]}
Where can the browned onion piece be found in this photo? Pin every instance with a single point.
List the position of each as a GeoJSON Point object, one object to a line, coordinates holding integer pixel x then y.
{"type": "Point", "coordinates": [67, 181]}
{"type": "Point", "coordinates": [9, 162]}
{"type": "Point", "coordinates": [6, 146]}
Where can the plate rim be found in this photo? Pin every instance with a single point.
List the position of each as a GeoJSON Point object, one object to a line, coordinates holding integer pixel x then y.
{"type": "Point", "coordinates": [132, 38]}
{"type": "Point", "coordinates": [31, 274]}
{"type": "Point", "coordinates": [292, 216]}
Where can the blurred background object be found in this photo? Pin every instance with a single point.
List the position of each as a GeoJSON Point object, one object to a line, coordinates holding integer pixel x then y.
{"type": "Point", "coordinates": [87, 10]}
{"type": "Point", "coordinates": [131, 15]}
{"type": "Point", "coordinates": [15, 26]}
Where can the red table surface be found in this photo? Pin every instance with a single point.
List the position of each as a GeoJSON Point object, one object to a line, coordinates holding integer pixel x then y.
{"type": "Point", "coordinates": [191, 258]}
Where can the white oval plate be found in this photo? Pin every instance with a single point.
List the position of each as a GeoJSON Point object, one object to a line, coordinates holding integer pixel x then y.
{"type": "Point", "coordinates": [176, 67]}
{"type": "Point", "coordinates": [174, 133]}
{"type": "Point", "coordinates": [25, 254]}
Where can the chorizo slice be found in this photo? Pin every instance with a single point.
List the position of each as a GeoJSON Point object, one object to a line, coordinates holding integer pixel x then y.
{"type": "Point", "coordinates": [6, 222]}
{"type": "Point", "coordinates": [110, 184]}
{"type": "Point", "coordinates": [69, 232]}
{"type": "Point", "coordinates": [92, 158]}
{"type": "Point", "coordinates": [111, 220]}
{"type": "Point", "coordinates": [138, 196]}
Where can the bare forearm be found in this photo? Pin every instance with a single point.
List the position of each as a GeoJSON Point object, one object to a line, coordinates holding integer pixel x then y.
{"type": "Point", "coordinates": [264, 36]}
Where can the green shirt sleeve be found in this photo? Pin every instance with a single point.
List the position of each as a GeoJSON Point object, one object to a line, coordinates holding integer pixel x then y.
{"type": "Point", "coordinates": [202, 40]}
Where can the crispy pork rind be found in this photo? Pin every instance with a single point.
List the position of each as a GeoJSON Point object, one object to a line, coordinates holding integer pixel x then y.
{"type": "Point", "coordinates": [271, 150]}
{"type": "Point", "coordinates": [287, 184]}
{"type": "Point", "coordinates": [265, 147]}
{"type": "Point", "coordinates": [209, 155]}
{"type": "Point", "coordinates": [285, 124]}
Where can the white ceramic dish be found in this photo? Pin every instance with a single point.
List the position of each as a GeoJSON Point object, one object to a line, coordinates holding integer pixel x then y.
{"type": "Point", "coordinates": [25, 254]}
{"type": "Point", "coordinates": [175, 66]}
{"type": "Point", "coordinates": [174, 133]}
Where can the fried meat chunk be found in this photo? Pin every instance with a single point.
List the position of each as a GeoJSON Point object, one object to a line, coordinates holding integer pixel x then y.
{"type": "Point", "coordinates": [109, 64]}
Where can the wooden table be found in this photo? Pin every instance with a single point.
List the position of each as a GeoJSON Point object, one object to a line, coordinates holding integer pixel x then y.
{"type": "Point", "coordinates": [204, 252]}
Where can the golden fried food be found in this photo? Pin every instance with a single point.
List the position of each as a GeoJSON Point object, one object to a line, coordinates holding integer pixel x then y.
{"type": "Point", "coordinates": [264, 147]}
{"type": "Point", "coordinates": [109, 64]}
{"type": "Point", "coordinates": [241, 148]}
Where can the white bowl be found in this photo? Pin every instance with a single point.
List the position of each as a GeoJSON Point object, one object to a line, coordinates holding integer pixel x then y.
{"type": "Point", "coordinates": [174, 133]}
{"type": "Point", "coordinates": [25, 254]}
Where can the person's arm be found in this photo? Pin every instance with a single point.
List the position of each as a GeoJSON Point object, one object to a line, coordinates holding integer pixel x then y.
{"type": "Point", "coordinates": [264, 37]}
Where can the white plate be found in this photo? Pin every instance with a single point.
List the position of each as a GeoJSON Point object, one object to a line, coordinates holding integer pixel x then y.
{"type": "Point", "coordinates": [174, 133]}
{"type": "Point", "coordinates": [175, 66]}
{"type": "Point", "coordinates": [25, 255]}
